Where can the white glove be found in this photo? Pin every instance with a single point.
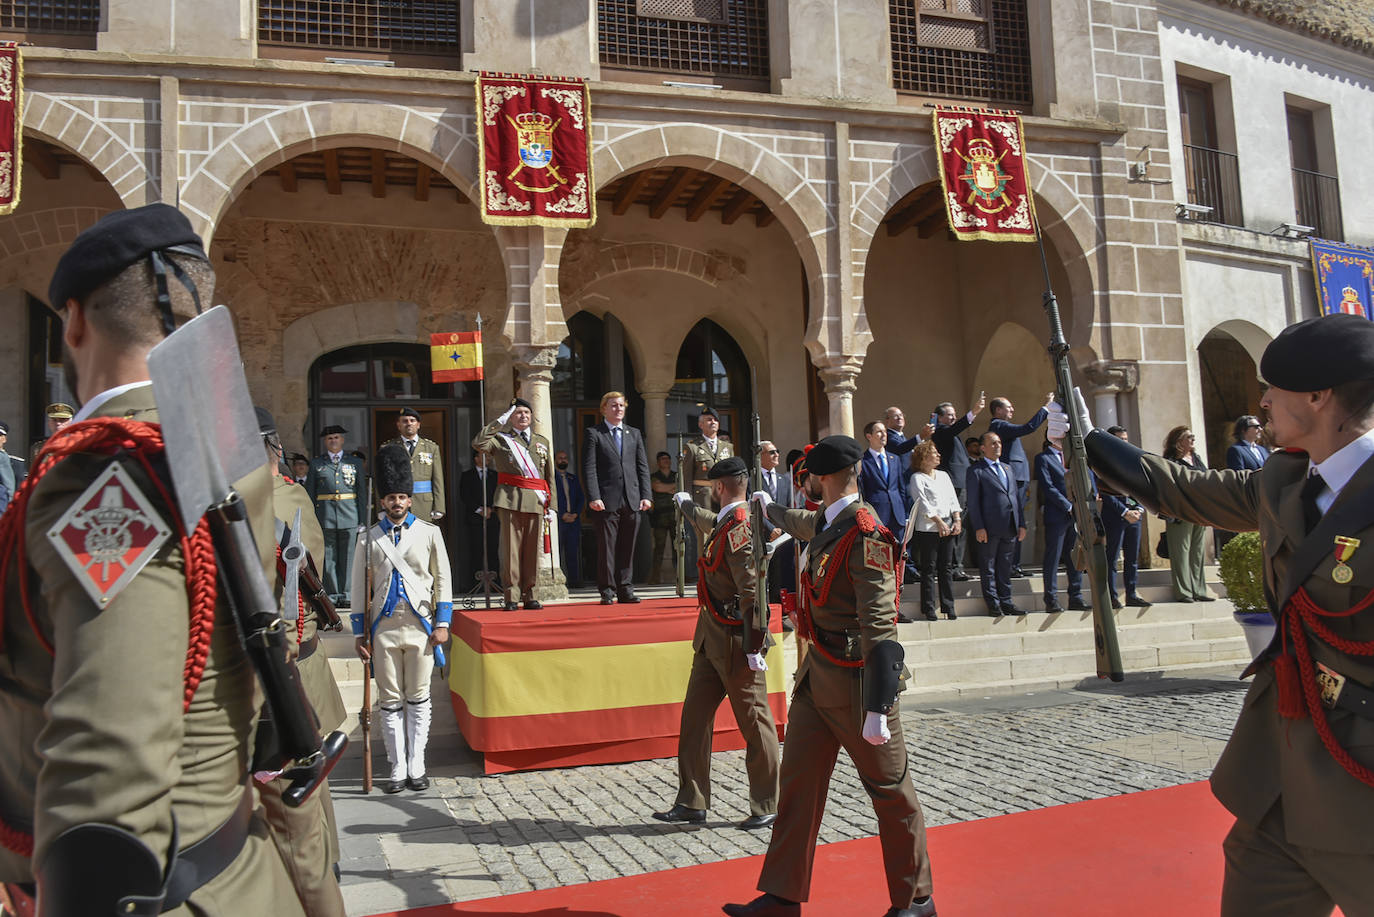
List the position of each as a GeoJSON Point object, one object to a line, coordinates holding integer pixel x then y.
{"type": "Point", "coordinates": [756, 663]}
{"type": "Point", "coordinates": [875, 729]}
{"type": "Point", "coordinates": [776, 543]}
{"type": "Point", "coordinates": [761, 498]}
{"type": "Point", "coordinates": [1057, 426]}
{"type": "Point", "coordinates": [682, 498]}
{"type": "Point", "coordinates": [506, 416]}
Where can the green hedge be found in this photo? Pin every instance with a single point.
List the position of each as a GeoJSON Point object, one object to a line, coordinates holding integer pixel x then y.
{"type": "Point", "coordinates": [1242, 570]}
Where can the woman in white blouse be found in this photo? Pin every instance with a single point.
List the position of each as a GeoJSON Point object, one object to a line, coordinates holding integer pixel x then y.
{"type": "Point", "coordinates": [937, 522]}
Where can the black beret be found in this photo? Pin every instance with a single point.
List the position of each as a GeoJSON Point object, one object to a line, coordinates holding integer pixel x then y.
{"type": "Point", "coordinates": [332, 428]}
{"type": "Point", "coordinates": [408, 412]}
{"type": "Point", "coordinates": [521, 403]}
{"type": "Point", "coordinates": [393, 470]}
{"type": "Point", "coordinates": [266, 422]}
{"type": "Point", "coordinates": [834, 453]}
{"type": "Point", "coordinates": [116, 241]}
{"type": "Point", "coordinates": [1320, 353]}
{"type": "Point", "coordinates": [708, 412]}
{"type": "Point", "coordinates": [296, 457]}
{"type": "Point", "coordinates": [727, 467]}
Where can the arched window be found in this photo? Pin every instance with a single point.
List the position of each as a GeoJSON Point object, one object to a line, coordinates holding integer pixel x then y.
{"type": "Point", "coordinates": [712, 371]}
{"type": "Point", "coordinates": [582, 375]}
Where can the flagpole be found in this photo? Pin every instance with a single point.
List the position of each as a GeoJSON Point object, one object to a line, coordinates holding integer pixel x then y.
{"type": "Point", "coordinates": [482, 478]}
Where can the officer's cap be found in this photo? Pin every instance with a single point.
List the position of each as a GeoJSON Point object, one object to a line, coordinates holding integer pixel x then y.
{"type": "Point", "coordinates": [332, 428]}
{"type": "Point", "coordinates": [1320, 353]}
{"type": "Point", "coordinates": [117, 241]}
{"type": "Point", "coordinates": [727, 467]}
{"type": "Point", "coordinates": [521, 403]}
{"type": "Point", "coordinates": [408, 412]}
{"type": "Point", "coordinates": [709, 412]}
{"type": "Point", "coordinates": [60, 411]}
{"type": "Point", "coordinates": [834, 453]}
{"type": "Point", "coordinates": [266, 422]}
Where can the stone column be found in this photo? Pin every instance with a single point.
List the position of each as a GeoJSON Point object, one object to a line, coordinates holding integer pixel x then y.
{"type": "Point", "coordinates": [840, 384]}
{"type": "Point", "coordinates": [1107, 379]}
{"type": "Point", "coordinates": [534, 374]}
{"type": "Point", "coordinates": [655, 425]}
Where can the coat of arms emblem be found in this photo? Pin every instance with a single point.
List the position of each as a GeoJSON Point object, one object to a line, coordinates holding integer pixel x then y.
{"type": "Point", "coordinates": [534, 137]}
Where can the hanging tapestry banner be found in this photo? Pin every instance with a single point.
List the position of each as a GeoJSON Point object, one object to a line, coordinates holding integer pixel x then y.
{"type": "Point", "coordinates": [11, 124]}
{"type": "Point", "coordinates": [1345, 277]}
{"type": "Point", "coordinates": [983, 174]}
{"type": "Point", "coordinates": [534, 151]}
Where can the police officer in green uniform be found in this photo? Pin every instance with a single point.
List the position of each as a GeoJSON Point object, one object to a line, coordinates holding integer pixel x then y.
{"type": "Point", "coordinates": [127, 701]}
{"type": "Point", "coordinates": [846, 694]}
{"type": "Point", "coordinates": [1298, 771]}
{"type": "Point", "coordinates": [337, 482]}
{"type": "Point", "coordinates": [426, 467]}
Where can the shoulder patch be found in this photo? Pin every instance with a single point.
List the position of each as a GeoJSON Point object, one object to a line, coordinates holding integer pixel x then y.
{"type": "Point", "coordinates": [877, 555]}
{"type": "Point", "coordinates": [738, 538]}
{"type": "Point", "coordinates": [108, 534]}
{"type": "Point", "coordinates": [867, 524]}
{"type": "Point", "coordinates": [741, 513]}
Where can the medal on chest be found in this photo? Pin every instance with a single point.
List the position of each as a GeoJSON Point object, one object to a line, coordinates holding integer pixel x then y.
{"type": "Point", "coordinates": [1345, 549]}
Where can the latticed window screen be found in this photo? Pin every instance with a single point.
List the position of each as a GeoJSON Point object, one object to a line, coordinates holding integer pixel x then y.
{"type": "Point", "coordinates": [414, 26]}
{"type": "Point", "coordinates": [50, 15]}
{"type": "Point", "coordinates": [691, 10]}
{"type": "Point", "coordinates": [962, 49]}
{"type": "Point", "coordinates": [736, 45]}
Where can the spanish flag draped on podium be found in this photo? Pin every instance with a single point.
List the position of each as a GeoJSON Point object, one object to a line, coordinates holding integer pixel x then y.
{"type": "Point", "coordinates": [456, 356]}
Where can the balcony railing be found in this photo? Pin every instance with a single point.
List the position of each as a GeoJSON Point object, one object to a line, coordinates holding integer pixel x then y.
{"type": "Point", "coordinates": [1213, 181]}
{"type": "Point", "coordinates": [376, 28]}
{"type": "Point", "coordinates": [60, 23]}
{"type": "Point", "coordinates": [720, 39]}
{"type": "Point", "coordinates": [1318, 199]}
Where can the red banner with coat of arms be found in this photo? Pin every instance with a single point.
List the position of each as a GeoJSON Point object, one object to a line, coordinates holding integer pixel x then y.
{"type": "Point", "coordinates": [534, 151]}
{"type": "Point", "coordinates": [983, 174]}
{"type": "Point", "coordinates": [11, 124]}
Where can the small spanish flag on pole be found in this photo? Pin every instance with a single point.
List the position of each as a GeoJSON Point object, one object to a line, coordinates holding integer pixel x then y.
{"type": "Point", "coordinates": [456, 356]}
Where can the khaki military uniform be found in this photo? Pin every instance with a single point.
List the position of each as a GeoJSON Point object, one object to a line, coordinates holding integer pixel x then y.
{"type": "Point", "coordinates": [1303, 837]}
{"type": "Point", "coordinates": [307, 837]}
{"type": "Point", "coordinates": [827, 712]}
{"type": "Point", "coordinates": [95, 732]}
{"type": "Point", "coordinates": [700, 458]}
{"type": "Point", "coordinates": [427, 472]}
{"type": "Point", "coordinates": [720, 670]}
{"type": "Point", "coordinates": [519, 508]}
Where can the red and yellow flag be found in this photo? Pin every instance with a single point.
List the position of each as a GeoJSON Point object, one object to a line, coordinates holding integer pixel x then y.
{"type": "Point", "coordinates": [456, 356]}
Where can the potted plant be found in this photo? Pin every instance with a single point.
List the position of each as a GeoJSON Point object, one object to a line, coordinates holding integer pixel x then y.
{"type": "Point", "coordinates": [1242, 571]}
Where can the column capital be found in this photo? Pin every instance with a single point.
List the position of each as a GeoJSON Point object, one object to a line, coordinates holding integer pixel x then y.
{"type": "Point", "coordinates": [534, 362]}
{"type": "Point", "coordinates": [1114, 377]}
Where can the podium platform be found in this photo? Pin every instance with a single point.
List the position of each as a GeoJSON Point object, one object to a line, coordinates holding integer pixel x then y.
{"type": "Point", "coordinates": [584, 683]}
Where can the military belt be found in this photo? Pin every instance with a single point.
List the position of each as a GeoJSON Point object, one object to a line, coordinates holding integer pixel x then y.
{"type": "Point", "coordinates": [1341, 693]}
{"type": "Point", "coordinates": [336, 497]}
{"type": "Point", "coordinates": [701, 483]}
{"type": "Point", "coordinates": [308, 648]}
{"type": "Point", "coordinates": [211, 855]}
{"type": "Point", "coordinates": [838, 643]}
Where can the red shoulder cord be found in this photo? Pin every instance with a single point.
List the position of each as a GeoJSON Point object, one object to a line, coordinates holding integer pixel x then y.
{"type": "Point", "coordinates": [1298, 695]}
{"type": "Point", "coordinates": [864, 524]}
{"type": "Point", "coordinates": [703, 568]}
{"type": "Point", "coordinates": [300, 599]}
{"type": "Point", "coordinates": [111, 436]}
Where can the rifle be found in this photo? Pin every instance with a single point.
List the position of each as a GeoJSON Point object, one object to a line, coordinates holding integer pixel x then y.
{"type": "Point", "coordinates": [365, 714]}
{"type": "Point", "coordinates": [680, 526]}
{"type": "Point", "coordinates": [1091, 531]}
{"type": "Point", "coordinates": [758, 522]}
{"type": "Point", "coordinates": [316, 595]}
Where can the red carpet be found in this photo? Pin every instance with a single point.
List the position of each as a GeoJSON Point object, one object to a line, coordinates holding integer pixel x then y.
{"type": "Point", "coordinates": [1151, 853]}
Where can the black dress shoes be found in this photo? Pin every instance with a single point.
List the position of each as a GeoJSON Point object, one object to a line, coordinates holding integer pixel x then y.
{"type": "Point", "coordinates": [932, 616]}
{"type": "Point", "coordinates": [1078, 605]}
{"type": "Point", "coordinates": [754, 822]}
{"type": "Point", "coordinates": [512, 606]}
{"type": "Point", "coordinates": [607, 597]}
{"type": "Point", "coordinates": [680, 814]}
{"type": "Point", "coordinates": [924, 909]}
{"type": "Point", "coordinates": [949, 615]}
{"type": "Point", "coordinates": [1017, 573]}
{"type": "Point", "coordinates": [1010, 609]}
{"type": "Point", "coordinates": [627, 598]}
{"type": "Point", "coordinates": [995, 611]}
{"type": "Point", "coordinates": [533, 605]}
{"type": "Point", "coordinates": [418, 784]}
{"type": "Point", "coordinates": [1052, 606]}
{"type": "Point", "coordinates": [1116, 603]}
{"type": "Point", "coordinates": [1136, 601]}
{"type": "Point", "coordinates": [959, 576]}
{"type": "Point", "coordinates": [393, 786]}
{"type": "Point", "coordinates": [764, 906]}
{"type": "Point", "coordinates": [905, 619]}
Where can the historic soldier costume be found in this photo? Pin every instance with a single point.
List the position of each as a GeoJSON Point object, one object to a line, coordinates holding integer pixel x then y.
{"type": "Point", "coordinates": [729, 645]}
{"type": "Point", "coordinates": [126, 696]}
{"type": "Point", "coordinates": [523, 461]}
{"type": "Point", "coordinates": [1298, 772]}
{"type": "Point", "coordinates": [337, 482]}
{"type": "Point", "coordinates": [407, 617]}
{"type": "Point", "coordinates": [426, 467]}
{"type": "Point", "coordinates": [845, 695]}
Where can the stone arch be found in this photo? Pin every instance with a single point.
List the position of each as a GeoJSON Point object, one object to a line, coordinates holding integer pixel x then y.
{"type": "Point", "coordinates": [64, 123]}
{"type": "Point", "coordinates": [444, 142]}
{"type": "Point", "coordinates": [709, 267]}
{"type": "Point", "coordinates": [1246, 333]}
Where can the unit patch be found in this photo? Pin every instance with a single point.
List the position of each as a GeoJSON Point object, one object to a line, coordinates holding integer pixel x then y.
{"type": "Point", "coordinates": [108, 534]}
{"type": "Point", "coordinates": [738, 537]}
{"type": "Point", "coordinates": [877, 555]}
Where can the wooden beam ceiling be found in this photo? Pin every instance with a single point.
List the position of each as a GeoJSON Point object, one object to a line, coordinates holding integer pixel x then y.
{"type": "Point", "coordinates": [378, 174]}
{"type": "Point", "coordinates": [916, 212]}
{"type": "Point", "coordinates": [741, 202]}
{"type": "Point", "coordinates": [43, 158]}
{"type": "Point", "coordinates": [287, 173]}
{"type": "Point", "coordinates": [672, 188]}
{"type": "Point", "coordinates": [630, 190]}
{"type": "Point", "coordinates": [422, 173]}
{"type": "Point", "coordinates": [332, 182]}
{"type": "Point", "coordinates": [707, 196]}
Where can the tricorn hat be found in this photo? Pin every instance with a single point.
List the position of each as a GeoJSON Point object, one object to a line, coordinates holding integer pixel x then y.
{"type": "Point", "coordinates": [332, 429]}
{"type": "Point", "coordinates": [393, 470]}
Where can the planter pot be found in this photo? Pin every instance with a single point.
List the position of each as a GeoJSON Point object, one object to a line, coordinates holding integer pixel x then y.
{"type": "Point", "coordinates": [1258, 627]}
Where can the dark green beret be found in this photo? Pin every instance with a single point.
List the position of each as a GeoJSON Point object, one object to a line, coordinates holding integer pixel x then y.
{"type": "Point", "coordinates": [727, 467]}
{"type": "Point", "coordinates": [116, 241]}
{"type": "Point", "coordinates": [834, 453]}
{"type": "Point", "coordinates": [409, 412]}
{"type": "Point", "coordinates": [1320, 353]}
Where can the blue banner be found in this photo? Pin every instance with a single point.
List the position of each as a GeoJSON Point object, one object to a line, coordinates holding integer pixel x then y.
{"type": "Point", "coordinates": [1345, 278]}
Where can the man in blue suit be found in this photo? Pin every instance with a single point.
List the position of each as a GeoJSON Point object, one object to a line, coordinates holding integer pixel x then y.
{"type": "Point", "coordinates": [882, 482]}
{"type": "Point", "coordinates": [1060, 534]}
{"type": "Point", "coordinates": [994, 514]}
{"type": "Point", "coordinates": [1003, 411]}
{"type": "Point", "coordinates": [1246, 453]}
{"type": "Point", "coordinates": [568, 490]}
{"type": "Point", "coordinates": [1121, 518]}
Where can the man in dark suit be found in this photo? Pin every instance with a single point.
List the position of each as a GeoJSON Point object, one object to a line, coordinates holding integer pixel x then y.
{"type": "Point", "coordinates": [615, 473]}
{"type": "Point", "coordinates": [568, 491]}
{"type": "Point", "coordinates": [1121, 517]}
{"type": "Point", "coordinates": [994, 514]}
{"type": "Point", "coordinates": [882, 481]}
{"type": "Point", "coordinates": [472, 485]}
{"type": "Point", "coordinates": [777, 483]}
{"type": "Point", "coordinates": [954, 461]}
{"type": "Point", "coordinates": [1060, 535]}
{"type": "Point", "coordinates": [1003, 411]}
{"type": "Point", "coordinates": [1246, 453]}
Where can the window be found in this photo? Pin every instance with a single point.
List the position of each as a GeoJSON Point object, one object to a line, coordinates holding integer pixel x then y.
{"type": "Point", "coordinates": [711, 371]}
{"type": "Point", "coordinates": [369, 28]}
{"type": "Point", "coordinates": [962, 49]}
{"type": "Point", "coordinates": [1212, 175]}
{"type": "Point", "coordinates": [55, 23]}
{"type": "Point", "coordinates": [714, 38]}
{"type": "Point", "coordinates": [1316, 191]}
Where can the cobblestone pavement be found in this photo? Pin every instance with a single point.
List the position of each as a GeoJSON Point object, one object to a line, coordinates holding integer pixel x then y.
{"type": "Point", "coordinates": [473, 836]}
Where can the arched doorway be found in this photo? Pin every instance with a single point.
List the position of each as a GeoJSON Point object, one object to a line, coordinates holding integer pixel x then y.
{"type": "Point", "coordinates": [1230, 388]}
{"type": "Point", "coordinates": [583, 373]}
{"type": "Point", "coordinates": [711, 371]}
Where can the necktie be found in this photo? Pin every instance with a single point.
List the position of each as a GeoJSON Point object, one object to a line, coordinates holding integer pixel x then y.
{"type": "Point", "coordinates": [882, 463]}
{"type": "Point", "coordinates": [1001, 475]}
{"type": "Point", "coordinates": [410, 446]}
{"type": "Point", "coordinates": [619, 445]}
{"type": "Point", "coordinates": [1312, 513]}
{"type": "Point", "coordinates": [772, 486]}
{"type": "Point", "coordinates": [525, 435]}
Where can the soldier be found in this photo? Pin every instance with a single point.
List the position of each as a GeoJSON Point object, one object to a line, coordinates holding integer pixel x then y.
{"type": "Point", "coordinates": [125, 692]}
{"type": "Point", "coordinates": [703, 451]}
{"type": "Point", "coordinates": [337, 482]}
{"type": "Point", "coordinates": [426, 468]}
{"type": "Point", "coordinates": [307, 837]}
{"type": "Point", "coordinates": [729, 646]}
{"type": "Point", "coordinates": [523, 461]}
{"type": "Point", "coordinates": [300, 467]}
{"type": "Point", "coordinates": [407, 617]}
{"type": "Point", "coordinates": [1298, 771]}
{"type": "Point", "coordinates": [59, 414]}
{"type": "Point", "coordinates": [846, 694]}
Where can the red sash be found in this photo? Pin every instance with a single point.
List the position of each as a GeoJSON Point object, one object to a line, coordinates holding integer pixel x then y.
{"type": "Point", "coordinates": [524, 483]}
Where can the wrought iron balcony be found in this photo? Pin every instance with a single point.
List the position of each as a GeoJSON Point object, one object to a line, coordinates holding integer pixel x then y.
{"type": "Point", "coordinates": [1213, 181]}
{"type": "Point", "coordinates": [1318, 203]}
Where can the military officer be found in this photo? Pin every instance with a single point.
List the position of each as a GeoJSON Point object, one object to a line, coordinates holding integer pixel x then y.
{"type": "Point", "coordinates": [337, 482]}
{"type": "Point", "coordinates": [702, 451]}
{"type": "Point", "coordinates": [126, 697]}
{"type": "Point", "coordinates": [1298, 771]}
{"type": "Point", "coordinates": [728, 656]}
{"type": "Point", "coordinates": [523, 461]}
{"type": "Point", "coordinates": [845, 695]}
{"type": "Point", "coordinates": [58, 414]}
{"type": "Point", "coordinates": [402, 627]}
{"type": "Point", "coordinates": [307, 837]}
{"type": "Point", "coordinates": [426, 468]}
